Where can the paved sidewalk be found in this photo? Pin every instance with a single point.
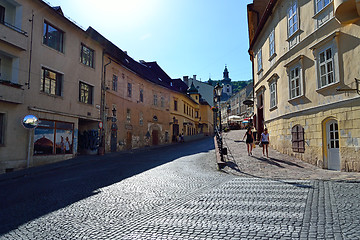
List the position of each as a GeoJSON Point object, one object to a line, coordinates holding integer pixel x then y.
{"type": "Point", "coordinates": [277, 166]}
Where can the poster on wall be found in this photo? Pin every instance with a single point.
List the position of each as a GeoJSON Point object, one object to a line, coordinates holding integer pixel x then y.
{"type": "Point", "coordinates": [43, 141]}
{"type": "Point", "coordinates": [53, 137]}
{"type": "Point", "coordinates": [64, 141]}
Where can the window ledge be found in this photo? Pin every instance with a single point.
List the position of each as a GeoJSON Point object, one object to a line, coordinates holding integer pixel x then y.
{"type": "Point", "coordinates": [293, 35]}
{"type": "Point", "coordinates": [260, 71]}
{"type": "Point", "coordinates": [51, 95]}
{"type": "Point", "coordinates": [87, 104]}
{"type": "Point", "coordinates": [296, 98]}
{"type": "Point", "coordinates": [11, 84]}
{"type": "Point", "coordinates": [273, 108]}
{"type": "Point", "coordinates": [329, 86]}
{"type": "Point", "coordinates": [272, 56]}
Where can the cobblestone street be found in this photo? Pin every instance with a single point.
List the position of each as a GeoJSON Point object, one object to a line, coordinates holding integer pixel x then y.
{"type": "Point", "coordinates": [176, 192]}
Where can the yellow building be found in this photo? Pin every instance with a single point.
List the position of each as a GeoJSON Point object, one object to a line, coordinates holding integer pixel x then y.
{"type": "Point", "coordinates": [49, 68]}
{"type": "Point", "coordinates": [304, 55]}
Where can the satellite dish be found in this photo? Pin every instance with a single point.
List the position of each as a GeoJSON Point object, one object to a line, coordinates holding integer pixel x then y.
{"type": "Point", "coordinates": [30, 122]}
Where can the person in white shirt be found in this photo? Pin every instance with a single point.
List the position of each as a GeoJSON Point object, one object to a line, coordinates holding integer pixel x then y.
{"type": "Point", "coordinates": [265, 142]}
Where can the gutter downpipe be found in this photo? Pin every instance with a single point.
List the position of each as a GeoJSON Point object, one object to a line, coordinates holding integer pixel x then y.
{"type": "Point", "coordinates": [31, 41]}
{"type": "Point", "coordinates": [103, 107]}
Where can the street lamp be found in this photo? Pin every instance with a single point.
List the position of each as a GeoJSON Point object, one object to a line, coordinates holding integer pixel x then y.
{"type": "Point", "coordinates": [218, 91]}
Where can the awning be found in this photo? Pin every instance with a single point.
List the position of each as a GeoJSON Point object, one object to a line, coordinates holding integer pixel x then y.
{"type": "Point", "coordinates": [235, 118]}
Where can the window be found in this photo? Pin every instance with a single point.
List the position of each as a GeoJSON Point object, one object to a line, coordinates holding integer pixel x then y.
{"type": "Point", "coordinates": [196, 114]}
{"type": "Point", "coordinates": [53, 37]}
{"type": "Point", "coordinates": [87, 56]}
{"type": "Point", "coordinates": [162, 101]}
{"type": "Point", "coordinates": [295, 82]}
{"type": "Point", "coordinates": [298, 140]}
{"type": "Point", "coordinates": [2, 14]}
{"type": "Point", "coordinates": [259, 60]}
{"type": "Point", "coordinates": [326, 69]}
{"type": "Point", "coordinates": [155, 100]}
{"type": "Point", "coordinates": [2, 128]}
{"type": "Point", "coordinates": [292, 16]}
{"type": "Point", "coordinates": [53, 137]}
{"type": "Point", "coordinates": [85, 93]}
{"type": "Point", "coordinates": [321, 4]}
{"type": "Point", "coordinates": [129, 90]}
{"type": "Point", "coordinates": [273, 95]}
{"type": "Point", "coordinates": [175, 105]}
{"type": "Point", "coordinates": [51, 82]}
{"type": "Point", "coordinates": [272, 43]}
{"type": "Point", "coordinates": [142, 95]}
{"type": "Point", "coordinates": [128, 115]}
{"type": "Point", "coordinates": [115, 83]}
{"type": "Point", "coordinates": [184, 108]}
{"type": "Point", "coordinates": [141, 118]}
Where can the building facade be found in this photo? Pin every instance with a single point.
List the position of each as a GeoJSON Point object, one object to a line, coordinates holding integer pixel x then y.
{"type": "Point", "coordinates": [306, 78]}
{"type": "Point", "coordinates": [90, 97]}
{"type": "Point", "coordinates": [39, 50]}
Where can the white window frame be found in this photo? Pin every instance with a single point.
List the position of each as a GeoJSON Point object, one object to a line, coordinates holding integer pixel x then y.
{"type": "Point", "coordinates": [329, 42]}
{"type": "Point", "coordinates": [293, 19]}
{"type": "Point", "coordinates": [295, 82]}
{"type": "Point", "coordinates": [324, 4]}
{"type": "Point", "coordinates": [272, 44]}
{"type": "Point", "coordinates": [273, 94]}
{"type": "Point", "coordinates": [325, 73]}
{"type": "Point", "coordinates": [259, 60]}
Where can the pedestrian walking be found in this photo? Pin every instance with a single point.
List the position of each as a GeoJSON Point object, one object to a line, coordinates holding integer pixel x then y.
{"type": "Point", "coordinates": [265, 140]}
{"type": "Point", "coordinates": [249, 140]}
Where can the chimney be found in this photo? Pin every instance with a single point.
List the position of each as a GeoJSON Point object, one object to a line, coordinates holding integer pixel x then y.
{"type": "Point", "coordinates": [194, 77]}
{"type": "Point", "coordinates": [186, 79]}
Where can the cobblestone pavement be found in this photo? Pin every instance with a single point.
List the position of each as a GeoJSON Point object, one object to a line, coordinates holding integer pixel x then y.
{"type": "Point", "coordinates": [173, 192]}
{"type": "Point", "coordinates": [277, 166]}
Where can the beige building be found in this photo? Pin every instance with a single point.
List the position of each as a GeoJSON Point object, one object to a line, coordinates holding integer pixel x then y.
{"type": "Point", "coordinates": [305, 68]}
{"type": "Point", "coordinates": [49, 68]}
{"type": "Point", "coordinates": [136, 110]}
{"type": "Point", "coordinates": [144, 106]}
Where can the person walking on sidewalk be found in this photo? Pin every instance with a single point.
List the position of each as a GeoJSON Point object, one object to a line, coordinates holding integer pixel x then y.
{"type": "Point", "coordinates": [249, 140]}
{"type": "Point", "coordinates": [265, 142]}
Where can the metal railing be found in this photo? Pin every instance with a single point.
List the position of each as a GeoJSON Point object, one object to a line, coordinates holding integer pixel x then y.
{"type": "Point", "coordinates": [219, 141]}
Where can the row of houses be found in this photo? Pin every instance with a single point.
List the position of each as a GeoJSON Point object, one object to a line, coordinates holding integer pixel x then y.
{"type": "Point", "coordinates": [306, 78]}
{"type": "Point", "coordinates": [89, 95]}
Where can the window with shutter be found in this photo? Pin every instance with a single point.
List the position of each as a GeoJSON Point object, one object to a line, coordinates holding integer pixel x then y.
{"type": "Point", "coordinates": [298, 140]}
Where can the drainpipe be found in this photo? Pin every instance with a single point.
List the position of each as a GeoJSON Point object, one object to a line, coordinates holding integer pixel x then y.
{"type": "Point", "coordinates": [103, 105]}
{"type": "Point", "coordinates": [31, 40]}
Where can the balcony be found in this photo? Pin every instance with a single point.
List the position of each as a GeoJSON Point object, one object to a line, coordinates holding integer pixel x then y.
{"type": "Point", "coordinates": [13, 35]}
{"type": "Point", "coordinates": [347, 11]}
{"type": "Point", "coordinates": [11, 92]}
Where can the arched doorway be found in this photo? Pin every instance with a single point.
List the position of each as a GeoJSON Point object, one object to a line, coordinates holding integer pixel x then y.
{"type": "Point", "coordinates": [155, 137]}
{"type": "Point", "coordinates": [128, 140]}
{"type": "Point", "coordinates": [331, 144]}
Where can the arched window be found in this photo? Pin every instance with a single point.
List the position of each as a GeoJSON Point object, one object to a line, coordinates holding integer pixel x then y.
{"type": "Point", "coordinates": [298, 140]}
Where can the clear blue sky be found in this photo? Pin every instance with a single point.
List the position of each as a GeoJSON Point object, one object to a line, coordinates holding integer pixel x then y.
{"type": "Point", "coordinates": [185, 37]}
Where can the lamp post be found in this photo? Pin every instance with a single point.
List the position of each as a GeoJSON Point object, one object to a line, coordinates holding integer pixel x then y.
{"type": "Point", "coordinates": [218, 91]}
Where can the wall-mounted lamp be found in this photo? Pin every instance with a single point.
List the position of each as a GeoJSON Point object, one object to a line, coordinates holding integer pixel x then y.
{"type": "Point", "coordinates": [113, 118]}
{"type": "Point", "coordinates": [357, 89]}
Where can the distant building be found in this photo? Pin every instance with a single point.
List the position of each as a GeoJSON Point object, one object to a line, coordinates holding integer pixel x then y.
{"type": "Point", "coordinates": [227, 86]}
{"type": "Point", "coordinates": [205, 89]}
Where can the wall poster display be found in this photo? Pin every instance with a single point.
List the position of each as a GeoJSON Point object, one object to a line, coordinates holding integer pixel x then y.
{"type": "Point", "coordinates": [53, 137]}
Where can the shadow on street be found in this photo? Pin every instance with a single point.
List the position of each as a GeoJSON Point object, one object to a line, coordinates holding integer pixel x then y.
{"type": "Point", "coordinates": [35, 195]}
